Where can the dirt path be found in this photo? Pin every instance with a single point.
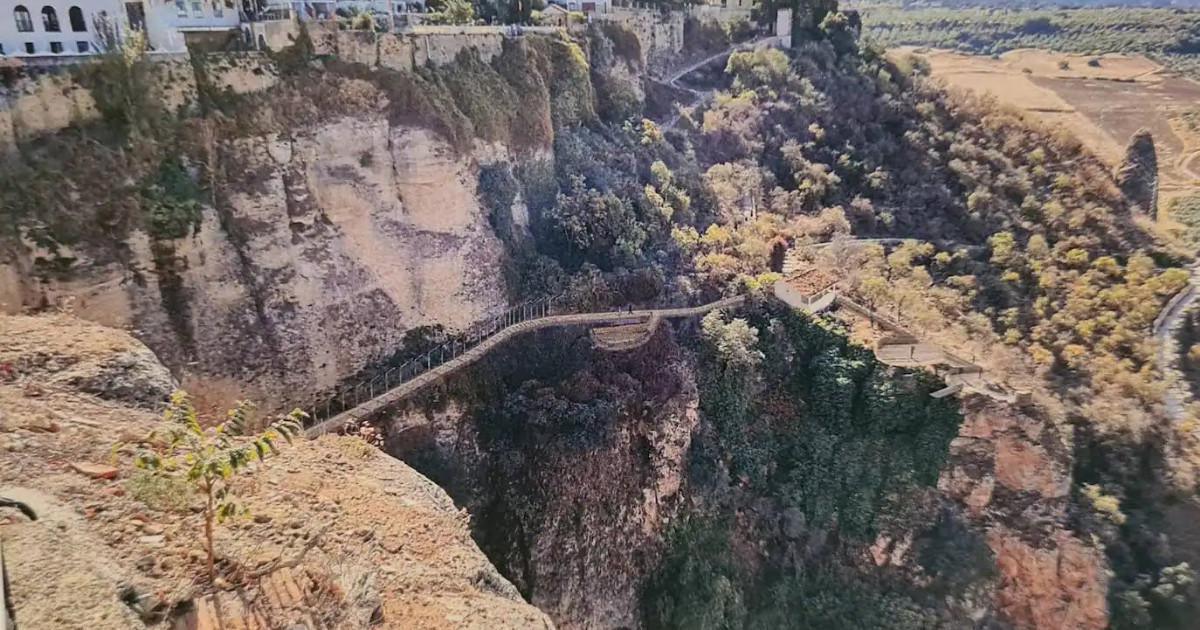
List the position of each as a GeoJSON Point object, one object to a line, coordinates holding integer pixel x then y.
{"type": "Point", "coordinates": [699, 96]}
{"type": "Point", "coordinates": [1166, 327]}
{"type": "Point", "coordinates": [1187, 164]}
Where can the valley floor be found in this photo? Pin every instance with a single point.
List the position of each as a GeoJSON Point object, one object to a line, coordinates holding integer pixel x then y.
{"type": "Point", "coordinates": [1102, 105]}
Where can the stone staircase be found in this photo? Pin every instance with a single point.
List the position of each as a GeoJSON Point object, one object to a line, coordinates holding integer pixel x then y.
{"type": "Point", "coordinates": [282, 599]}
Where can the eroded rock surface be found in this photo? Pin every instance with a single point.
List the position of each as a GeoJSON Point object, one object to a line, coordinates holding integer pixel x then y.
{"type": "Point", "coordinates": [322, 249]}
{"type": "Point", "coordinates": [575, 517]}
{"type": "Point", "coordinates": [108, 551]}
{"type": "Point", "coordinates": [1011, 472]}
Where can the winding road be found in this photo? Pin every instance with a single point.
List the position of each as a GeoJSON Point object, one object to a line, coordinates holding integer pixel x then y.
{"type": "Point", "coordinates": [1176, 395]}
{"type": "Point", "coordinates": [699, 96]}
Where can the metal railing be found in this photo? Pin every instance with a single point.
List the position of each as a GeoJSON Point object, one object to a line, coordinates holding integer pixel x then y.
{"type": "Point", "coordinates": [351, 396]}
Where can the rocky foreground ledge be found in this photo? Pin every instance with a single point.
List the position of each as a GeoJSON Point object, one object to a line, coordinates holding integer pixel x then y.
{"type": "Point", "coordinates": [339, 536]}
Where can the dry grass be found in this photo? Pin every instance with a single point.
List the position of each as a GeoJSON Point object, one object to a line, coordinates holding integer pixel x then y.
{"type": "Point", "coordinates": [1101, 105]}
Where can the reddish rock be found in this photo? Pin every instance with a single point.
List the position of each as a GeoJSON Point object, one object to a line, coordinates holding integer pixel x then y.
{"type": "Point", "coordinates": [1060, 586]}
{"type": "Point", "coordinates": [95, 471]}
{"type": "Point", "coordinates": [1048, 578]}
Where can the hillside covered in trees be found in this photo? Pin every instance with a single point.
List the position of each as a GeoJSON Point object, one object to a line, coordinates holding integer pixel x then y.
{"type": "Point", "coordinates": [1032, 257]}
{"type": "Point", "coordinates": [795, 452]}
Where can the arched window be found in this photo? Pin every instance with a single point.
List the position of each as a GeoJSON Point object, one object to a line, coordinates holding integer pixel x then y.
{"type": "Point", "coordinates": [78, 25]}
{"type": "Point", "coordinates": [24, 21]}
{"type": "Point", "coordinates": [50, 19]}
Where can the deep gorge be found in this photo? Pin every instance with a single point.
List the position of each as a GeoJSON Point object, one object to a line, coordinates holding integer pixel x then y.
{"type": "Point", "coordinates": [751, 469]}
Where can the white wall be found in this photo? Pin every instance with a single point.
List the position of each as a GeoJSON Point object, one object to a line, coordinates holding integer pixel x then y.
{"type": "Point", "coordinates": [14, 41]}
{"type": "Point", "coordinates": [601, 6]}
{"type": "Point", "coordinates": [166, 21]}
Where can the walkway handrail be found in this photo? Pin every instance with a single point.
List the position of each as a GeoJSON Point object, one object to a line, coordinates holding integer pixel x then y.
{"type": "Point", "coordinates": [383, 389]}
{"type": "Point", "coordinates": [358, 393]}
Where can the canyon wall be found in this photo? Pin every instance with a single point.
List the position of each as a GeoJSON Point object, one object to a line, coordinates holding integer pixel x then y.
{"type": "Point", "coordinates": [574, 514]}
{"type": "Point", "coordinates": [660, 35]}
{"type": "Point", "coordinates": [575, 502]}
{"type": "Point", "coordinates": [321, 247]}
{"type": "Point", "coordinates": [1011, 473]}
{"type": "Point", "coordinates": [330, 243]}
{"type": "Point", "coordinates": [54, 99]}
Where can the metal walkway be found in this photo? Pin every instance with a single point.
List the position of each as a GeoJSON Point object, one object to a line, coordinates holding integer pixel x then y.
{"type": "Point", "coordinates": [399, 383]}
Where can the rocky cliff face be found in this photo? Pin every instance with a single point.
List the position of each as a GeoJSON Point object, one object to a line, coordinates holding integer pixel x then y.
{"type": "Point", "coordinates": [1011, 472]}
{"type": "Point", "coordinates": [323, 247]}
{"type": "Point", "coordinates": [574, 501]}
{"type": "Point", "coordinates": [571, 503]}
{"type": "Point", "coordinates": [1138, 175]}
{"type": "Point", "coordinates": [357, 537]}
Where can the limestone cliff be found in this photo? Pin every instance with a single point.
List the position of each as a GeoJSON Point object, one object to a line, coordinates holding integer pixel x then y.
{"type": "Point", "coordinates": [326, 245]}
{"type": "Point", "coordinates": [323, 214]}
{"type": "Point", "coordinates": [574, 511]}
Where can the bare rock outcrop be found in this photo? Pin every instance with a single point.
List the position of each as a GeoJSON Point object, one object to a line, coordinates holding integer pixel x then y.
{"type": "Point", "coordinates": [62, 351]}
{"type": "Point", "coordinates": [1138, 175]}
{"type": "Point", "coordinates": [367, 536]}
{"type": "Point", "coordinates": [1011, 473]}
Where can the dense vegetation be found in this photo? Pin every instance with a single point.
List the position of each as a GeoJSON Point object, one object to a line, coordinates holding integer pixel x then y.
{"type": "Point", "coordinates": [833, 140]}
{"type": "Point", "coordinates": [813, 425]}
{"type": "Point", "coordinates": [1033, 258]}
{"type": "Point", "coordinates": [1171, 36]}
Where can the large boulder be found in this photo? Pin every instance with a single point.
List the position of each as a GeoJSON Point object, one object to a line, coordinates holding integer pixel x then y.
{"type": "Point", "coordinates": [60, 350]}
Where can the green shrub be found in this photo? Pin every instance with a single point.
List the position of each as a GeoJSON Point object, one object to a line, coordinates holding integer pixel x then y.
{"type": "Point", "coordinates": [498, 190]}
{"type": "Point", "coordinates": [696, 585]}
{"type": "Point", "coordinates": [171, 201]}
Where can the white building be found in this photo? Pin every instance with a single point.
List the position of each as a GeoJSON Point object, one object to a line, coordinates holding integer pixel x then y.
{"type": "Point", "coordinates": [46, 30]}
{"type": "Point", "coordinates": [33, 28]}
{"type": "Point", "coordinates": [169, 23]}
{"type": "Point", "coordinates": [585, 6]}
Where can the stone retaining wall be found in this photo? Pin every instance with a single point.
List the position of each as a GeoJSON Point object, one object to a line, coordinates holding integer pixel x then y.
{"type": "Point", "coordinates": [661, 35]}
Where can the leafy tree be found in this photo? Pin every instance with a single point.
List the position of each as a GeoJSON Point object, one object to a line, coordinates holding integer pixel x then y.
{"type": "Point", "coordinates": [171, 201]}
{"type": "Point", "coordinates": [454, 12]}
{"type": "Point", "coordinates": [767, 67]}
{"type": "Point", "coordinates": [665, 194]}
{"type": "Point", "coordinates": [593, 226]}
{"type": "Point", "coordinates": [363, 21]}
{"type": "Point", "coordinates": [733, 342]}
{"type": "Point", "coordinates": [208, 458]}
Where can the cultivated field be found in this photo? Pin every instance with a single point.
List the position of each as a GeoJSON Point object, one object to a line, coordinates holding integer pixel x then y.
{"type": "Point", "coordinates": [1102, 103]}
